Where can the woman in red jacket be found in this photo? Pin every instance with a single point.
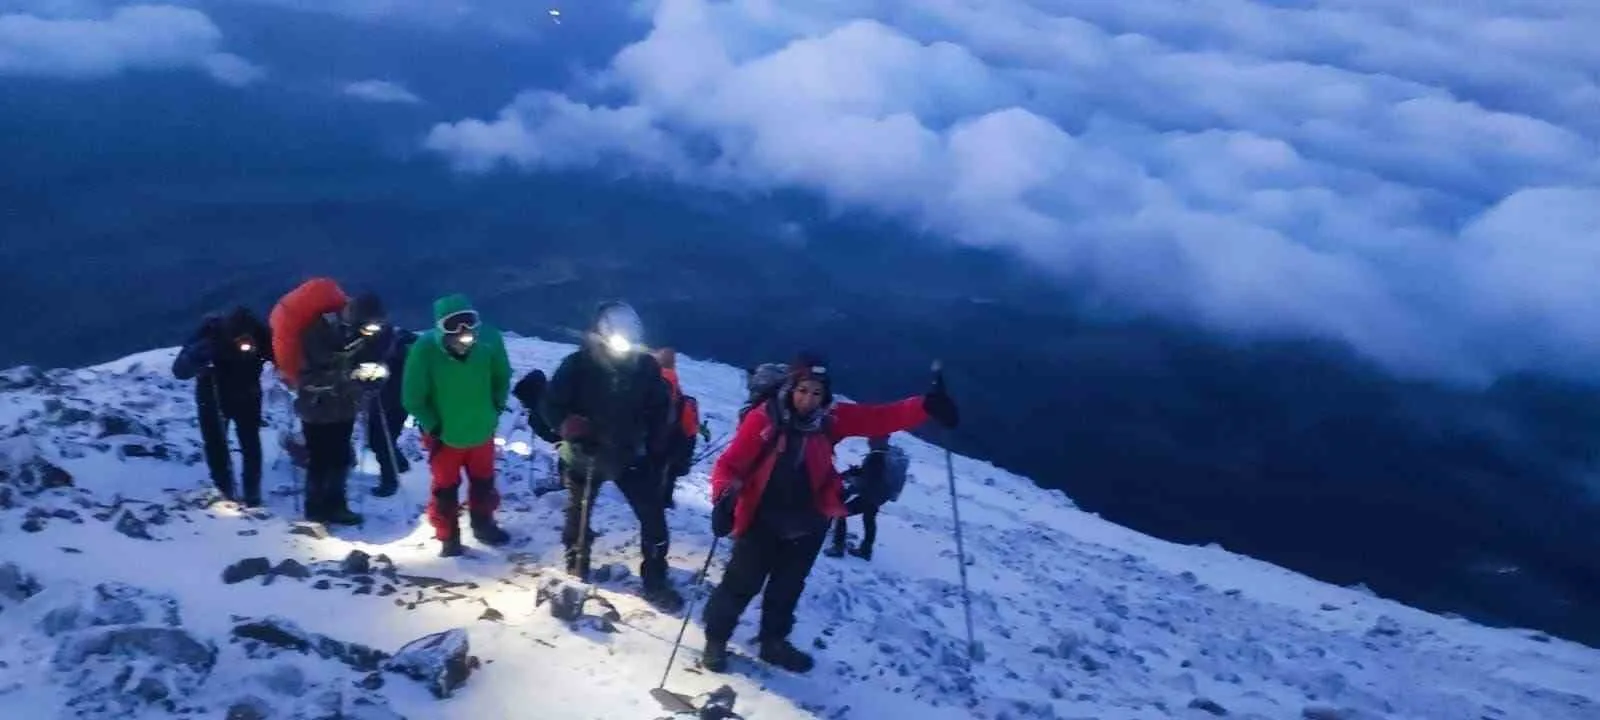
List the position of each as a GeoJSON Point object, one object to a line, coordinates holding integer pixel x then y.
{"type": "Point", "coordinates": [780, 467]}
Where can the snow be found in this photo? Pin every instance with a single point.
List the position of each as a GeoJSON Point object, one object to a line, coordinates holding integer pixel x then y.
{"type": "Point", "coordinates": [1078, 617]}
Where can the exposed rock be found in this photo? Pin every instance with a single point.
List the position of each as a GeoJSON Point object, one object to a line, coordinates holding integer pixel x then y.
{"type": "Point", "coordinates": [366, 708]}
{"type": "Point", "coordinates": [119, 670]}
{"type": "Point", "coordinates": [16, 584]}
{"type": "Point", "coordinates": [492, 615]}
{"type": "Point", "coordinates": [21, 377]}
{"type": "Point", "coordinates": [116, 423]}
{"type": "Point", "coordinates": [438, 661]}
{"type": "Point", "coordinates": [60, 414]}
{"type": "Point", "coordinates": [292, 568]}
{"type": "Point", "coordinates": [310, 530]}
{"type": "Point", "coordinates": [156, 515]}
{"type": "Point", "coordinates": [1386, 626]}
{"type": "Point", "coordinates": [356, 563]}
{"type": "Point", "coordinates": [281, 633]}
{"type": "Point", "coordinates": [26, 471]}
{"type": "Point", "coordinates": [566, 598]}
{"type": "Point", "coordinates": [249, 708]}
{"type": "Point", "coordinates": [109, 604]}
{"type": "Point", "coordinates": [372, 681]}
{"type": "Point", "coordinates": [322, 585]}
{"type": "Point", "coordinates": [1209, 706]}
{"type": "Point", "coordinates": [34, 521]}
{"type": "Point", "coordinates": [130, 525]}
{"type": "Point", "coordinates": [284, 679]}
{"type": "Point", "coordinates": [246, 569]}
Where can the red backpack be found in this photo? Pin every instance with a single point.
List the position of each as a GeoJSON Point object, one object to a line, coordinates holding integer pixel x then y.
{"type": "Point", "coordinates": [292, 315]}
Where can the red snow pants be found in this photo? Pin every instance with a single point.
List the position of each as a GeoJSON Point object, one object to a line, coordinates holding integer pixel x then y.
{"type": "Point", "coordinates": [446, 465]}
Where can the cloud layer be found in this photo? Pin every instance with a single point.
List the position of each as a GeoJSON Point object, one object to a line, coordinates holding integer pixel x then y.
{"type": "Point", "coordinates": [135, 37]}
{"type": "Point", "coordinates": [1416, 179]}
{"type": "Point", "coordinates": [381, 91]}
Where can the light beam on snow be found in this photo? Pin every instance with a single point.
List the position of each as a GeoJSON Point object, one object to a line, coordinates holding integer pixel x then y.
{"type": "Point", "coordinates": [519, 448]}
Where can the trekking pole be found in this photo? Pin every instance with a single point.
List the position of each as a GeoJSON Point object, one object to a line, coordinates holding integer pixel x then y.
{"type": "Point", "coordinates": [583, 529]}
{"type": "Point", "coordinates": [388, 439]}
{"type": "Point", "coordinates": [221, 423]}
{"type": "Point", "coordinates": [688, 612]}
{"type": "Point", "coordinates": [955, 511]}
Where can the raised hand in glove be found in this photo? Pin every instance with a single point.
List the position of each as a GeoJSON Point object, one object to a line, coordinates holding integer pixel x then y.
{"type": "Point", "coordinates": [939, 405]}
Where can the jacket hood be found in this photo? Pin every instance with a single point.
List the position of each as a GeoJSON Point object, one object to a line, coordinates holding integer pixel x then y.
{"type": "Point", "coordinates": [450, 304]}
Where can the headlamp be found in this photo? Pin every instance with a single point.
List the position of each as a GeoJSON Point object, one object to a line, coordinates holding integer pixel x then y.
{"type": "Point", "coordinates": [617, 344]}
{"type": "Point", "coordinates": [371, 329]}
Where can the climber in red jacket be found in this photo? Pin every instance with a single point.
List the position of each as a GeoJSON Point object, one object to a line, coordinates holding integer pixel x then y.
{"type": "Point", "coordinates": [778, 474]}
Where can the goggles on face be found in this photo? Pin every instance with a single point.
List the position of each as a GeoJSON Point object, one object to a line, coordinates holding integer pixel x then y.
{"type": "Point", "coordinates": [456, 322]}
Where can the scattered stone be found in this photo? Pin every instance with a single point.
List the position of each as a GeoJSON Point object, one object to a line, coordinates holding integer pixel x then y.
{"type": "Point", "coordinates": [1539, 637]}
{"type": "Point", "coordinates": [285, 634]}
{"type": "Point", "coordinates": [246, 569]}
{"type": "Point", "coordinates": [492, 615]}
{"type": "Point", "coordinates": [386, 590]}
{"type": "Point", "coordinates": [372, 681]}
{"type": "Point", "coordinates": [66, 514]}
{"type": "Point", "coordinates": [1325, 712]}
{"type": "Point", "coordinates": [156, 515]}
{"type": "Point", "coordinates": [1329, 607]}
{"type": "Point", "coordinates": [130, 525]}
{"type": "Point", "coordinates": [439, 661]}
{"type": "Point", "coordinates": [363, 590]}
{"type": "Point", "coordinates": [321, 584]}
{"type": "Point", "coordinates": [33, 523]}
{"type": "Point", "coordinates": [1386, 626]}
{"type": "Point", "coordinates": [310, 530]}
{"type": "Point", "coordinates": [1208, 706]}
{"type": "Point", "coordinates": [71, 550]}
{"type": "Point", "coordinates": [292, 568]}
{"type": "Point", "coordinates": [566, 598]}
{"type": "Point", "coordinates": [356, 563]}
{"type": "Point", "coordinates": [249, 533]}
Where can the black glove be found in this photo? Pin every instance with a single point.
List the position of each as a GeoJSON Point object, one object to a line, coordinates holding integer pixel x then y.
{"type": "Point", "coordinates": [722, 512]}
{"type": "Point", "coordinates": [939, 405]}
{"type": "Point", "coordinates": [529, 388]}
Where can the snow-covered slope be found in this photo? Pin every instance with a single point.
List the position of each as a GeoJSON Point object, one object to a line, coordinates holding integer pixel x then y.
{"type": "Point", "coordinates": [113, 600]}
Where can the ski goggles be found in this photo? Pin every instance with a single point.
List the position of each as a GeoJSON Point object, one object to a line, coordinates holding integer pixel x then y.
{"type": "Point", "coordinates": [457, 322]}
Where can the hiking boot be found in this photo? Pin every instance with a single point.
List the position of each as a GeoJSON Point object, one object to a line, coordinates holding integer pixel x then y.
{"type": "Point", "coordinates": [487, 532]}
{"type": "Point", "coordinates": [715, 656]}
{"type": "Point", "coordinates": [664, 598]}
{"type": "Point", "coordinates": [386, 488]}
{"type": "Point", "coordinates": [833, 551]}
{"type": "Point", "coordinates": [863, 552]}
{"type": "Point", "coordinates": [578, 565]}
{"type": "Point", "coordinates": [450, 546]}
{"type": "Point", "coordinates": [785, 655]}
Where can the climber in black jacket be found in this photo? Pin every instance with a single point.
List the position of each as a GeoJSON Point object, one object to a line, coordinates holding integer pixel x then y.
{"type": "Point", "coordinates": [225, 356]}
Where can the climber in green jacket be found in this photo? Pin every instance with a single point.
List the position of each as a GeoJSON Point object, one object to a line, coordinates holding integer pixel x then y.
{"type": "Point", "coordinates": [456, 382]}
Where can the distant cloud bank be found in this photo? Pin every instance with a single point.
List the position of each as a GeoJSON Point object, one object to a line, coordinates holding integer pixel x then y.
{"type": "Point", "coordinates": [130, 38]}
{"type": "Point", "coordinates": [1416, 179]}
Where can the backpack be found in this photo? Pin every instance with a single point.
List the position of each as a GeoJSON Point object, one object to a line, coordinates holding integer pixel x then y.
{"type": "Point", "coordinates": [292, 315]}
{"type": "Point", "coordinates": [762, 385]}
{"type": "Point", "coordinates": [861, 488]}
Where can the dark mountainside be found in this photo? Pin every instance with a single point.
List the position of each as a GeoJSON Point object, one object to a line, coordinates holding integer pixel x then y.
{"type": "Point", "coordinates": [1480, 503]}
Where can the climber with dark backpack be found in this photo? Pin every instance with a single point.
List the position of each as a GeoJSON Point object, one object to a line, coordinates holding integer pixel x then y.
{"type": "Point", "coordinates": [867, 487]}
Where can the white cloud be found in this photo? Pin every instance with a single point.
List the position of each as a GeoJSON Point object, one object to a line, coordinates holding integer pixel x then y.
{"type": "Point", "coordinates": [381, 91]}
{"type": "Point", "coordinates": [1262, 168]}
{"type": "Point", "coordinates": [135, 37]}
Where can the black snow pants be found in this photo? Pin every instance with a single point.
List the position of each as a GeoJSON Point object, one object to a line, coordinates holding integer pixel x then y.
{"type": "Point", "coordinates": [761, 557]}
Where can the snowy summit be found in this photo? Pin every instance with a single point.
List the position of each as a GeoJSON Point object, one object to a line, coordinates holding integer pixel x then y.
{"type": "Point", "coordinates": [127, 590]}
